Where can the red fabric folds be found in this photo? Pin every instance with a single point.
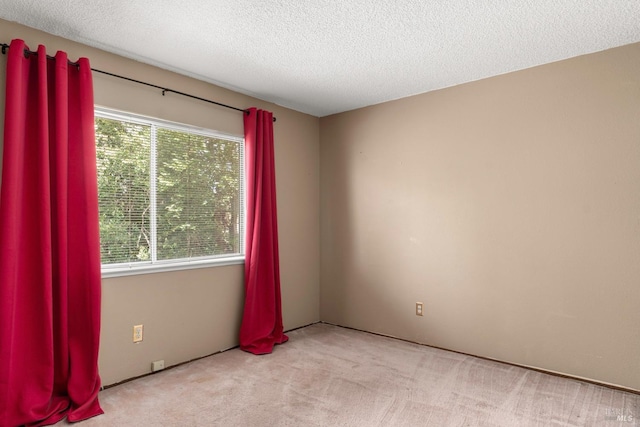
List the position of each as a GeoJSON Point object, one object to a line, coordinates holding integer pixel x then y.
{"type": "Point", "coordinates": [261, 325]}
{"type": "Point", "coordinates": [49, 241]}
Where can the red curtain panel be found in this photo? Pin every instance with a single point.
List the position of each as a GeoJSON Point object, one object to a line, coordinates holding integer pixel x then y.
{"type": "Point", "coordinates": [261, 325]}
{"type": "Point", "coordinates": [49, 242]}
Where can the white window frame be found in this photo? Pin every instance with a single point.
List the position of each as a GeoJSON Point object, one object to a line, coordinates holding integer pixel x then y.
{"type": "Point", "coordinates": [155, 266]}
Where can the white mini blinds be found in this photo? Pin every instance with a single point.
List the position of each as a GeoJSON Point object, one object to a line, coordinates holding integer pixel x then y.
{"type": "Point", "coordinates": [171, 196]}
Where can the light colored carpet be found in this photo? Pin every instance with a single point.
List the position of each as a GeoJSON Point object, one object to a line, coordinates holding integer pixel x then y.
{"type": "Point", "coordinates": [332, 376]}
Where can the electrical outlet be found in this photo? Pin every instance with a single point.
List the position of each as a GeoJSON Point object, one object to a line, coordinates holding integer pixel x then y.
{"type": "Point", "coordinates": [158, 365]}
{"type": "Point", "coordinates": [419, 309]}
{"type": "Point", "coordinates": [137, 333]}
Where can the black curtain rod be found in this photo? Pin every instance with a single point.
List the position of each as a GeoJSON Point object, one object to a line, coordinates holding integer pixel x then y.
{"type": "Point", "coordinates": [163, 89]}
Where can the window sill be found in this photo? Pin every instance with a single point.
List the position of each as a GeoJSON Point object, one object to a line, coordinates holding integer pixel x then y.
{"type": "Point", "coordinates": [161, 267]}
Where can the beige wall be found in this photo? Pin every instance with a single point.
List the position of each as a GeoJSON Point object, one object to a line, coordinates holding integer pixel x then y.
{"type": "Point", "coordinates": [188, 314]}
{"type": "Point", "coordinates": [509, 206]}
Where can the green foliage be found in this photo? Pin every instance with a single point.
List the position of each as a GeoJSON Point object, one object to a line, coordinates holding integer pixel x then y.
{"type": "Point", "coordinates": [123, 151]}
{"type": "Point", "coordinates": [197, 193]}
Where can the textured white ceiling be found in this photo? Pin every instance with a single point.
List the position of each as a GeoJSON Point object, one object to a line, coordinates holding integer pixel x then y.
{"type": "Point", "coordinates": [327, 56]}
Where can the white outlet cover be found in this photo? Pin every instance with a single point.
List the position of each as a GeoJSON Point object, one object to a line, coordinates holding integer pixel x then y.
{"type": "Point", "coordinates": [158, 365]}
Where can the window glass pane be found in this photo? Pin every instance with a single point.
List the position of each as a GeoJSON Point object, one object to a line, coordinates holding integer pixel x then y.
{"type": "Point", "coordinates": [198, 188]}
{"type": "Point", "coordinates": [169, 194]}
{"type": "Point", "coordinates": [123, 186]}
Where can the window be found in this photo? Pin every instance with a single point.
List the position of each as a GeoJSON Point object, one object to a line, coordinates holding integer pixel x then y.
{"type": "Point", "coordinates": [171, 196]}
